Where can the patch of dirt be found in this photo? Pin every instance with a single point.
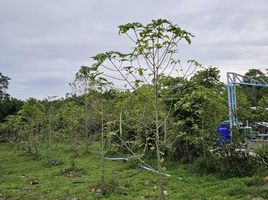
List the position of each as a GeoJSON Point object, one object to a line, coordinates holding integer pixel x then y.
{"type": "Point", "coordinates": [63, 198]}
{"type": "Point", "coordinates": [72, 171]}
{"type": "Point", "coordinates": [265, 183]}
{"type": "Point", "coordinates": [97, 191]}
{"type": "Point", "coordinates": [109, 188]}
{"type": "Point", "coordinates": [54, 162]}
{"type": "Point", "coordinates": [3, 197]}
{"type": "Point", "coordinates": [35, 181]}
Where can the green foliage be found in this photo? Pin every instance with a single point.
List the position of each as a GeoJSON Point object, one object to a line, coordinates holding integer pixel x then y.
{"type": "Point", "coordinates": [89, 79]}
{"type": "Point", "coordinates": [158, 29]}
{"type": "Point", "coordinates": [252, 96]}
{"type": "Point", "coordinates": [243, 111]}
{"type": "Point", "coordinates": [70, 113]}
{"type": "Point", "coordinates": [196, 116]}
{"type": "Point", "coordinates": [227, 162]}
{"type": "Point", "coordinates": [3, 86]}
{"type": "Point", "coordinates": [153, 53]}
{"type": "Point", "coordinates": [236, 162]}
{"type": "Point", "coordinates": [262, 156]}
{"type": "Point", "coordinates": [32, 118]}
{"type": "Point", "coordinates": [210, 164]}
{"type": "Point", "coordinates": [9, 106]}
{"type": "Point", "coordinates": [256, 73]}
{"type": "Point", "coordinates": [253, 93]}
{"type": "Point", "coordinates": [209, 78]}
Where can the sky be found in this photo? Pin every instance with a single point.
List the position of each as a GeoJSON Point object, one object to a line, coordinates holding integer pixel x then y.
{"type": "Point", "coordinates": [44, 43]}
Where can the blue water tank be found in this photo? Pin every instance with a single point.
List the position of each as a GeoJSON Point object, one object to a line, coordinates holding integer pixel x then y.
{"type": "Point", "coordinates": [224, 132]}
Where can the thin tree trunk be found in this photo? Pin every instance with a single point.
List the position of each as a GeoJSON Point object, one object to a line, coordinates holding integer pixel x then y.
{"type": "Point", "coordinates": [86, 114]}
{"type": "Point", "coordinates": [35, 135]}
{"type": "Point", "coordinates": [120, 128]}
{"type": "Point", "coordinates": [165, 131]}
{"type": "Point", "coordinates": [102, 149]}
{"type": "Point", "coordinates": [31, 137]}
{"type": "Point", "coordinates": [50, 133]}
{"type": "Point", "coordinates": [157, 139]}
{"type": "Point", "coordinates": [86, 125]}
{"type": "Point", "coordinates": [74, 148]}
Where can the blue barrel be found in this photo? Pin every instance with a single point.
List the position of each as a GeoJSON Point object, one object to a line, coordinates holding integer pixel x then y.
{"type": "Point", "coordinates": [224, 132]}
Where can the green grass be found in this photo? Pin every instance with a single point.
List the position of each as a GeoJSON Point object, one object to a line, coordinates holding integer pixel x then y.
{"type": "Point", "coordinates": [17, 170]}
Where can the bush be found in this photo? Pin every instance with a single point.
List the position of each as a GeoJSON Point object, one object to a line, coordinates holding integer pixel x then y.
{"type": "Point", "coordinates": [207, 165]}
{"type": "Point", "coordinates": [236, 162]}
{"type": "Point", "coordinates": [262, 157]}
{"type": "Point", "coordinates": [227, 162]}
{"type": "Point", "coordinates": [262, 154]}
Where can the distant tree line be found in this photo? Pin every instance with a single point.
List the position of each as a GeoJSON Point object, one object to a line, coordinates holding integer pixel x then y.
{"type": "Point", "coordinates": [8, 104]}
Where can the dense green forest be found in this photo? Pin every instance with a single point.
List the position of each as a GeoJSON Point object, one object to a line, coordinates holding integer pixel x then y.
{"type": "Point", "coordinates": [152, 119]}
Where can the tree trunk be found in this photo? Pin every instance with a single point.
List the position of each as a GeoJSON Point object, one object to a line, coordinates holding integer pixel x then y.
{"type": "Point", "coordinates": [102, 149]}
{"type": "Point", "coordinates": [157, 139]}
{"type": "Point", "coordinates": [86, 124]}
{"type": "Point", "coordinates": [165, 131]}
{"type": "Point", "coordinates": [50, 133]}
{"type": "Point", "coordinates": [157, 142]}
{"type": "Point", "coordinates": [120, 128]}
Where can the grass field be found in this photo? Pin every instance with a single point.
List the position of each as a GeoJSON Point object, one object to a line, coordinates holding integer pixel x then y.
{"type": "Point", "coordinates": [18, 173]}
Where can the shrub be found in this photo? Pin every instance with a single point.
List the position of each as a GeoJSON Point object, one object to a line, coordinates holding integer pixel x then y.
{"type": "Point", "coordinates": [210, 164]}
{"type": "Point", "coordinates": [262, 158]}
{"type": "Point", "coordinates": [227, 162]}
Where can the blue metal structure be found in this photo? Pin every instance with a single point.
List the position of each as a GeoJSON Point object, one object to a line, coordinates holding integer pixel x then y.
{"type": "Point", "coordinates": [234, 79]}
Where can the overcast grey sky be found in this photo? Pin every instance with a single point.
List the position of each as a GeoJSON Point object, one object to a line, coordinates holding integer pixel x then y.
{"type": "Point", "coordinates": [44, 42]}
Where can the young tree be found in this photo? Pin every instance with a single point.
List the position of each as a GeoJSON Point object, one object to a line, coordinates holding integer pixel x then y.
{"type": "Point", "coordinates": [100, 84]}
{"type": "Point", "coordinates": [11, 129]}
{"type": "Point", "coordinates": [50, 113]}
{"type": "Point", "coordinates": [33, 116]}
{"type": "Point", "coordinates": [92, 83]}
{"type": "Point", "coordinates": [70, 113]}
{"type": "Point", "coordinates": [153, 55]}
{"type": "Point", "coordinates": [85, 79]}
